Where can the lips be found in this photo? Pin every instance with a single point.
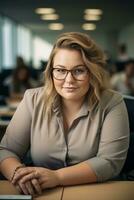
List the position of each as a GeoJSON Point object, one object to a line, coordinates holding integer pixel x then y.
{"type": "Point", "coordinates": [70, 88]}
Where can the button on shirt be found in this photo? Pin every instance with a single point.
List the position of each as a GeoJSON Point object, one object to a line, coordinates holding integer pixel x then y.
{"type": "Point", "coordinates": [99, 135]}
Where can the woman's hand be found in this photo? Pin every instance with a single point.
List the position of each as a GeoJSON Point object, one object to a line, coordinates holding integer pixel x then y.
{"type": "Point", "coordinates": [46, 178]}
{"type": "Point", "coordinates": [26, 188]}
{"type": "Point", "coordinates": [31, 186]}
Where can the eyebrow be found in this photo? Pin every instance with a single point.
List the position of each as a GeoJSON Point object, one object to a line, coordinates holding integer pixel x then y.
{"type": "Point", "coordinates": [80, 65]}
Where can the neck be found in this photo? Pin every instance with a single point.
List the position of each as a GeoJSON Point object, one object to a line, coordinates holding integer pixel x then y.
{"type": "Point", "coordinates": [70, 106]}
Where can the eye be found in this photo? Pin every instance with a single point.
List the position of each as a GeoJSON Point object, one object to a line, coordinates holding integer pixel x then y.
{"type": "Point", "coordinates": [79, 70]}
{"type": "Point", "coordinates": [60, 70]}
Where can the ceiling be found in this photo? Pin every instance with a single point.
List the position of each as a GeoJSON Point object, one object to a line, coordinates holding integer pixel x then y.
{"type": "Point", "coordinates": [116, 14]}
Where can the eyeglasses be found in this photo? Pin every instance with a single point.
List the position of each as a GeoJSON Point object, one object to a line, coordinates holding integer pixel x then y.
{"type": "Point", "coordinates": [78, 73]}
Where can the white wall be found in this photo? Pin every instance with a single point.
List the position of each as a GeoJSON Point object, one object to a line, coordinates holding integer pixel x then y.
{"type": "Point", "coordinates": [127, 36]}
{"type": "Point", "coordinates": [41, 51]}
{"type": "Point", "coordinates": [1, 42]}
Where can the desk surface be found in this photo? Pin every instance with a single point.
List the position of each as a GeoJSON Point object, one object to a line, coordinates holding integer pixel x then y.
{"type": "Point", "coordinates": [51, 194]}
{"type": "Point", "coordinates": [118, 190]}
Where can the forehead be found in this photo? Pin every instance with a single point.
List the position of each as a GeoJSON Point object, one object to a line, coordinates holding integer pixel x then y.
{"type": "Point", "coordinates": [67, 57]}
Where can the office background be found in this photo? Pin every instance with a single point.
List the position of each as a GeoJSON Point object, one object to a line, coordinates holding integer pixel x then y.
{"type": "Point", "coordinates": [24, 33]}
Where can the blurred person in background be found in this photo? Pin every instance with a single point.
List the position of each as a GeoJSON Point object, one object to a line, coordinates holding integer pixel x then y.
{"type": "Point", "coordinates": [20, 80]}
{"type": "Point", "coordinates": [122, 57]}
{"type": "Point", "coordinates": [122, 53]}
{"type": "Point", "coordinates": [65, 123]}
{"type": "Point", "coordinates": [124, 81]}
{"type": "Point", "coordinates": [110, 66]}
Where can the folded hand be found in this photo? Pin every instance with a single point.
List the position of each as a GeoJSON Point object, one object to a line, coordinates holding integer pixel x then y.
{"type": "Point", "coordinates": [37, 178]}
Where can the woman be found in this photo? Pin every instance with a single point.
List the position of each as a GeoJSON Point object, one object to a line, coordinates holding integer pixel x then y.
{"type": "Point", "coordinates": [20, 80]}
{"type": "Point", "coordinates": [76, 128]}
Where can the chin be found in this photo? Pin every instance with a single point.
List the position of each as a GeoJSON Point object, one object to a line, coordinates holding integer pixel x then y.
{"type": "Point", "coordinates": [71, 97]}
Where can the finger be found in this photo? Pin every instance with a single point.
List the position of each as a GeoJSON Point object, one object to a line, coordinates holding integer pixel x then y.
{"type": "Point", "coordinates": [41, 179]}
{"type": "Point", "coordinates": [43, 183]}
{"type": "Point", "coordinates": [19, 189]}
{"type": "Point", "coordinates": [23, 188]}
{"type": "Point", "coordinates": [36, 186]}
{"type": "Point", "coordinates": [30, 188]}
{"type": "Point", "coordinates": [20, 173]}
{"type": "Point", "coordinates": [29, 177]}
{"type": "Point", "coordinates": [26, 188]}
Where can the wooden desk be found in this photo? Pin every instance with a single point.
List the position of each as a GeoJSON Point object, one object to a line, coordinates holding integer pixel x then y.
{"type": "Point", "coordinates": [51, 194]}
{"type": "Point", "coordinates": [118, 190]}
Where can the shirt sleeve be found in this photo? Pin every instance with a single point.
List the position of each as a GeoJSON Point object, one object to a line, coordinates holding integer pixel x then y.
{"type": "Point", "coordinates": [16, 140]}
{"type": "Point", "coordinates": [113, 146]}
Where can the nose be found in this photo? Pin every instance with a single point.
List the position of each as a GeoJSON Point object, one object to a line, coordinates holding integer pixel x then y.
{"type": "Point", "coordinates": [69, 77]}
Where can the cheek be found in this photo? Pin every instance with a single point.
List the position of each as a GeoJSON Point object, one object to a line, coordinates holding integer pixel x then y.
{"type": "Point", "coordinates": [57, 84]}
{"type": "Point", "coordinates": [85, 87]}
{"type": "Point", "coordinates": [86, 84]}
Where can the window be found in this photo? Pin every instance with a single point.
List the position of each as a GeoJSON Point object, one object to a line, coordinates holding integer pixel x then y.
{"type": "Point", "coordinates": [7, 45]}
{"type": "Point", "coordinates": [42, 51]}
{"type": "Point", "coordinates": [1, 42]}
{"type": "Point", "coordinates": [24, 43]}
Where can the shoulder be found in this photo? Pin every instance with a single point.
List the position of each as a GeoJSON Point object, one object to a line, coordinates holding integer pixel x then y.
{"type": "Point", "coordinates": [110, 101]}
{"type": "Point", "coordinates": [35, 91]}
{"type": "Point", "coordinates": [32, 97]}
{"type": "Point", "coordinates": [110, 98]}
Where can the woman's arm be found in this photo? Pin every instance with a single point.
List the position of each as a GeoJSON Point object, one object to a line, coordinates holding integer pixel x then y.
{"type": "Point", "coordinates": [8, 166]}
{"type": "Point", "coordinates": [16, 140]}
{"type": "Point", "coordinates": [77, 174]}
{"type": "Point", "coordinates": [114, 143]}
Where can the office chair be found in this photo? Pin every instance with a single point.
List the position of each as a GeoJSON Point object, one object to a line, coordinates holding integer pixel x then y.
{"type": "Point", "coordinates": [127, 172]}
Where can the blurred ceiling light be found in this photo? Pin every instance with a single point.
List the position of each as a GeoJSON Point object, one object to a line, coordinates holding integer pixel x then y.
{"type": "Point", "coordinates": [92, 17]}
{"type": "Point", "coordinates": [50, 17]}
{"type": "Point", "coordinates": [45, 10]}
{"type": "Point", "coordinates": [89, 26]}
{"type": "Point", "coordinates": [55, 26]}
{"type": "Point", "coordinates": [93, 11]}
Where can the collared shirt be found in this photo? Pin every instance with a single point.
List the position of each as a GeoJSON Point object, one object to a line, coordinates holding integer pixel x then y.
{"type": "Point", "coordinates": [98, 135]}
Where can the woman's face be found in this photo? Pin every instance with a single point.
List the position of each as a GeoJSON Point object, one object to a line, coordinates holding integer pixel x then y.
{"type": "Point", "coordinates": [70, 88]}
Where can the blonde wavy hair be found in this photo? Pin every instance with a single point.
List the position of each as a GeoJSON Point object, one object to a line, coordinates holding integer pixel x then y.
{"type": "Point", "coordinates": [93, 58]}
